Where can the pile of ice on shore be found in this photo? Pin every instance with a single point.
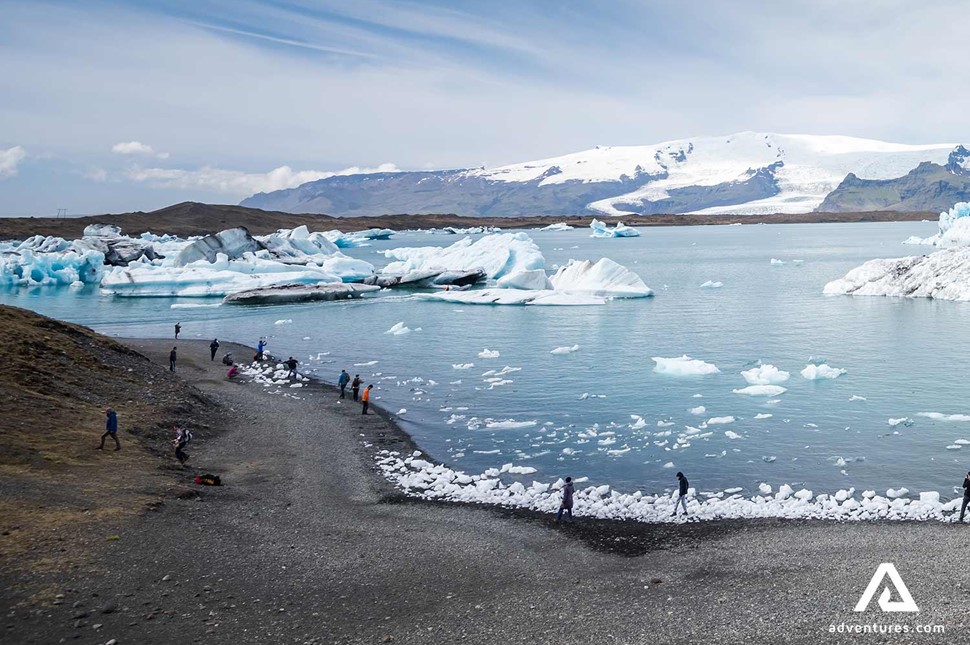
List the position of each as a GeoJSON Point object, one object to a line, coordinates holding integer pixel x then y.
{"type": "Point", "coordinates": [420, 478]}
{"type": "Point", "coordinates": [944, 274]}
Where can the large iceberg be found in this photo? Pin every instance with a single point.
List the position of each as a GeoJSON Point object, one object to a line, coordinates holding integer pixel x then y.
{"type": "Point", "coordinates": [604, 278]}
{"type": "Point", "coordinates": [203, 278]}
{"type": "Point", "coordinates": [27, 266]}
{"type": "Point", "coordinates": [232, 243]}
{"type": "Point", "coordinates": [944, 275]}
{"type": "Point", "coordinates": [954, 228]}
{"type": "Point", "coordinates": [498, 255]}
{"type": "Point", "coordinates": [600, 229]}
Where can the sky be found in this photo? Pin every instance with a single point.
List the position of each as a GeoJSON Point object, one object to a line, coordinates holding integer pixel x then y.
{"type": "Point", "coordinates": [121, 106]}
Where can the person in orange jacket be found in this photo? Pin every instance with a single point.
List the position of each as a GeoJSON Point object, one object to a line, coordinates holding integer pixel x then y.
{"type": "Point", "coordinates": [365, 398]}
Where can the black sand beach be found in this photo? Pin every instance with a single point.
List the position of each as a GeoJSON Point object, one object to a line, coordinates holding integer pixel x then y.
{"type": "Point", "coordinates": [305, 543]}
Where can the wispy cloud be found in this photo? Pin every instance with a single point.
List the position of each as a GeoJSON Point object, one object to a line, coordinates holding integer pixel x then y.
{"type": "Point", "coordinates": [10, 159]}
{"type": "Point", "coordinates": [137, 148]}
{"type": "Point", "coordinates": [237, 183]}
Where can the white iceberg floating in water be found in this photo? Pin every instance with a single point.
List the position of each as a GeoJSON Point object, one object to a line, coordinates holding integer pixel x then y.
{"type": "Point", "coordinates": [604, 278]}
{"type": "Point", "coordinates": [765, 375]}
{"type": "Point", "coordinates": [761, 390]}
{"type": "Point", "coordinates": [816, 372]}
{"type": "Point", "coordinates": [489, 353]}
{"type": "Point", "coordinates": [939, 416]}
{"type": "Point", "coordinates": [710, 284]}
{"type": "Point", "coordinates": [399, 329]}
{"type": "Point", "coordinates": [513, 297]}
{"type": "Point", "coordinates": [683, 366]}
{"type": "Point", "coordinates": [565, 350]}
{"type": "Point", "coordinates": [498, 255]}
{"type": "Point", "coordinates": [559, 226]}
{"type": "Point", "coordinates": [601, 229]}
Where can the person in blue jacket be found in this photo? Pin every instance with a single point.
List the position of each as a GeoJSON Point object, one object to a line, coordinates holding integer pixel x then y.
{"type": "Point", "coordinates": [110, 429]}
{"type": "Point", "coordinates": [342, 382]}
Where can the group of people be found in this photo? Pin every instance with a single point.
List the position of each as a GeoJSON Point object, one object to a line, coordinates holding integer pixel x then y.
{"type": "Point", "coordinates": [344, 379]}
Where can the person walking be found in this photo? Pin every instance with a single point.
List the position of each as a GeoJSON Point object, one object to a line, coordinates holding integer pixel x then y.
{"type": "Point", "coordinates": [342, 382]}
{"type": "Point", "coordinates": [966, 496]}
{"type": "Point", "coordinates": [682, 494]}
{"type": "Point", "coordinates": [172, 357]}
{"type": "Point", "coordinates": [567, 500]}
{"type": "Point", "coordinates": [365, 399]}
{"type": "Point", "coordinates": [355, 387]}
{"type": "Point", "coordinates": [213, 348]}
{"type": "Point", "coordinates": [178, 328]}
{"type": "Point", "coordinates": [110, 429]}
{"type": "Point", "coordinates": [182, 438]}
{"type": "Point", "coordinates": [291, 364]}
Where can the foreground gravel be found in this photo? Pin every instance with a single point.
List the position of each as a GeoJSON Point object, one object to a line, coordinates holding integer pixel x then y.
{"type": "Point", "coordinates": [305, 543]}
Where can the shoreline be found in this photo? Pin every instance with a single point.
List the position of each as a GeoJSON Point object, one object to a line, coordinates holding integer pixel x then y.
{"type": "Point", "coordinates": [304, 543]}
{"type": "Point", "coordinates": [198, 219]}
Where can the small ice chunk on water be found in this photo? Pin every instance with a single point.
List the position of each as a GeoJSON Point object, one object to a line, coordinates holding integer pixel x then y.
{"type": "Point", "coordinates": [761, 390]}
{"type": "Point", "coordinates": [937, 416]}
{"type": "Point", "coordinates": [565, 350]}
{"type": "Point", "coordinates": [731, 435]}
{"type": "Point", "coordinates": [765, 489]}
{"type": "Point", "coordinates": [710, 284]}
{"type": "Point", "coordinates": [906, 421]}
{"type": "Point", "coordinates": [763, 415]}
{"type": "Point", "coordinates": [463, 366]}
{"type": "Point", "coordinates": [855, 397]}
{"type": "Point", "coordinates": [698, 410]}
{"type": "Point", "coordinates": [894, 493]}
{"type": "Point", "coordinates": [765, 375]}
{"type": "Point", "coordinates": [285, 321]}
{"type": "Point", "coordinates": [713, 421]}
{"type": "Point", "coordinates": [814, 372]}
{"type": "Point", "coordinates": [509, 424]}
{"type": "Point", "coordinates": [683, 366]}
{"type": "Point", "coordinates": [488, 353]}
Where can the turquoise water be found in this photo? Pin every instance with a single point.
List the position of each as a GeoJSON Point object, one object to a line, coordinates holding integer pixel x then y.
{"type": "Point", "coordinates": [903, 356]}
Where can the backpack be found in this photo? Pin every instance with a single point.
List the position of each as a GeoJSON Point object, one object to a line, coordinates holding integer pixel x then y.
{"type": "Point", "coordinates": [208, 480]}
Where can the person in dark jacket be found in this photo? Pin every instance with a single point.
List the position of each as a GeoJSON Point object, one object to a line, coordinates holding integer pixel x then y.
{"type": "Point", "coordinates": [342, 382]}
{"type": "Point", "coordinates": [966, 496]}
{"type": "Point", "coordinates": [172, 357]}
{"type": "Point", "coordinates": [365, 399]}
{"type": "Point", "coordinates": [213, 348]}
{"type": "Point", "coordinates": [682, 494]}
{"type": "Point", "coordinates": [567, 500]}
{"type": "Point", "coordinates": [355, 386]}
{"type": "Point", "coordinates": [178, 328]}
{"type": "Point", "coordinates": [291, 364]}
{"type": "Point", "coordinates": [110, 428]}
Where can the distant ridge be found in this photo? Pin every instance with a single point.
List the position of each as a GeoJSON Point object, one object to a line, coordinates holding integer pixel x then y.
{"type": "Point", "coordinates": [746, 173]}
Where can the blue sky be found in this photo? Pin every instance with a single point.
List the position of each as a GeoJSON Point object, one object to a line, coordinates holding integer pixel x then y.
{"type": "Point", "coordinates": [117, 106]}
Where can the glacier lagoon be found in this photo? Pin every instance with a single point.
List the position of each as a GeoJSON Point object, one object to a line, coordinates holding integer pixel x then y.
{"type": "Point", "coordinates": [572, 412]}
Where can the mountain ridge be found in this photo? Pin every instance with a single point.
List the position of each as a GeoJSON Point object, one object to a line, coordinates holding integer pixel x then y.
{"type": "Point", "coordinates": [745, 173]}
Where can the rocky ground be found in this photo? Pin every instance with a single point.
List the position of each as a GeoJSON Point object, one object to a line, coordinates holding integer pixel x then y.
{"type": "Point", "coordinates": [306, 544]}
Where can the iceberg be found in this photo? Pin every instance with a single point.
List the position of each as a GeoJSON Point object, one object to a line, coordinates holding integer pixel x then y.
{"type": "Point", "coordinates": [290, 293]}
{"type": "Point", "coordinates": [765, 375]}
{"type": "Point", "coordinates": [498, 255]}
{"type": "Point", "coordinates": [683, 366]}
{"type": "Point", "coordinates": [203, 278]}
{"type": "Point", "coordinates": [604, 278]}
{"type": "Point", "coordinates": [536, 280]}
{"type": "Point", "coordinates": [943, 275]}
{"type": "Point", "coordinates": [600, 229]}
{"type": "Point", "coordinates": [558, 226]}
{"type": "Point", "coordinates": [815, 372]}
{"type": "Point", "coordinates": [761, 390]}
{"type": "Point", "coordinates": [232, 243]}
{"type": "Point", "coordinates": [297, 244]}
{"type": "Point", "coordinates": [21, 265]}
{"type": "Point", "coordinates": [513, 297]}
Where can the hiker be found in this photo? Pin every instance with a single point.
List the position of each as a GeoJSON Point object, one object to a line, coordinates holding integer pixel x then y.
{"type": "Point", "coordinates": [567, 500]}
{"type": "Point", "coordinates": [260, 346]}
{"type": "Point", "coordinates": [682, 494]}
{"type": "Point", "coordinates": [178, 328]}
{"type": "Point", "coordinates": [365, 398]}
{"type": "Point", "coordinates": [182, 439]}
{"type": "Point", "coordinates": [966, 496]}
{"type": "Point", "coordinates": [227, 359]}
{"type": "Point", "coordinates": [172, 357]}
{"type": "Point", "coordinates": [233, 371]}
{"type": "Point", "coordinates": [355, 386]}
{"type": "Point", "coordinates": [342, 382]}
{"type": "Point", "coordinates": [291, 363]}
{"type": "Point", "coordinates": [111, 429]}
{"type": "Point", "coordinates": [213, 348]}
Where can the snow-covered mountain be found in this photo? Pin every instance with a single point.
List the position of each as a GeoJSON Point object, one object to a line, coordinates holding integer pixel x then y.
{"type": "Point", "coordinates": [745, 173]}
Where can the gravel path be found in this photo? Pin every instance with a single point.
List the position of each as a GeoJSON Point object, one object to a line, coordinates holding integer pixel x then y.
{"type": "Point", "coordinates": [305, 543]}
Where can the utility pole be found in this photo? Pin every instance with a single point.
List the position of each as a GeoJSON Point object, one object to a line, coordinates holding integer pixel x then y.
{"type": "Point", "coordinates": [61, 212]}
